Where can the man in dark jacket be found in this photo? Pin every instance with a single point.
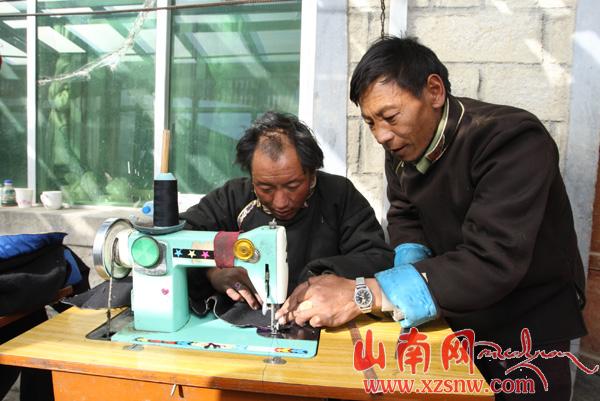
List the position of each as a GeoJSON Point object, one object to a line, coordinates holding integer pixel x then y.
{"type": "Point", "coordinates": [330, 226]}
{"type": "Point", "coordinates": [477, 199]}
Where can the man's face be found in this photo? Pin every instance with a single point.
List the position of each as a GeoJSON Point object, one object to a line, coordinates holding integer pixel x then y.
{"type": "Point", "coordinates": [281, 185]}
{"type": "Point", "coordinates": [402, 123]}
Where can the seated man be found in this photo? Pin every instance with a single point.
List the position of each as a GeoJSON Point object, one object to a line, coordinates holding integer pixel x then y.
{"type": "Point", "coordinates": [330, 226]}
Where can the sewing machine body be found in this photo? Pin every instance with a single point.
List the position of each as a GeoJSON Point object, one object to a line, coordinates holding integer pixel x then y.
{"type": "Point", "coordinates": [159, 262]}
{"type": "Point", "coordinates": [161, 312]}
{"type": "Point", "coordinates": [160, 294]}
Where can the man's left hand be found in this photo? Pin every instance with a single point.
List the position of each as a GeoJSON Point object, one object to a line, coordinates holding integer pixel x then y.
{"type": "Point", "coordinates": [326, 300]}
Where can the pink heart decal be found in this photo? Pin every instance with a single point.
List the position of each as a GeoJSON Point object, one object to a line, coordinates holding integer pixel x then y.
{"type": "Point", "coordinates": [165, 291]}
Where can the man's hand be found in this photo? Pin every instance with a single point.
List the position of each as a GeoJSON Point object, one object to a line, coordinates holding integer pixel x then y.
{"type": "Point", "coordinates": [235, 283]}
{"type": "Point", "coordinates": [326, 300]}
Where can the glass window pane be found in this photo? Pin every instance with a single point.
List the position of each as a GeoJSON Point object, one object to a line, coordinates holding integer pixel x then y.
{"type": "Point", "coordinates": [13, 94]}
{"type": "Point", "coordinates": [96, 102]}
{"type": "Point", "coordinates": [229, 65]}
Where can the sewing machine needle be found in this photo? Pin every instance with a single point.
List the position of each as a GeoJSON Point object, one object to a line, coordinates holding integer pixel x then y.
{"type": "Point", "coordinates": [274, 322]}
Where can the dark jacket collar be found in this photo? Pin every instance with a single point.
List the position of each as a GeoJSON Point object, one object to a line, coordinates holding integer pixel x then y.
{"type": "Point", "coordinates": [451, 118]}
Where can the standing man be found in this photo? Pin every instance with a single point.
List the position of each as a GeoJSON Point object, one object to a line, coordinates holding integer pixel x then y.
{"type": "Point", "coordinates": [479, 215]}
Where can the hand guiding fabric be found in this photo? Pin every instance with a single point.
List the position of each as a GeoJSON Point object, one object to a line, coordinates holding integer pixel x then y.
{"type": "Point", "coordinates": [326, 300]}
{"type": "Point", "coordinates": [236, 284]}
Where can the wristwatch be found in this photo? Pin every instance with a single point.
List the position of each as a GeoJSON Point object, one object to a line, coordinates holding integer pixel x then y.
{"type": "Point", "coordinates": [363, 297]}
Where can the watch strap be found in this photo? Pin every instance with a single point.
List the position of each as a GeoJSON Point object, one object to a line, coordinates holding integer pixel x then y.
{"type": "Point", "coordinates": [362, 286]}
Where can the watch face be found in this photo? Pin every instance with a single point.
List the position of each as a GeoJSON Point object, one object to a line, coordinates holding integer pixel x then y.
{"type": "Point", "coordinates": [363, 297]}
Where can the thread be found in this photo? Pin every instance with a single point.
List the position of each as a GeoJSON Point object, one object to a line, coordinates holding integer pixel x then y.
{"type": "Point", "coordinates": [166, 210]}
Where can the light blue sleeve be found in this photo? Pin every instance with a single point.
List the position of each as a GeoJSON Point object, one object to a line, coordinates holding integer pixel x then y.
{"type": "Point", "coordinates": [410, 253]}
{"type": "Point", "coordinates": [406, 289]}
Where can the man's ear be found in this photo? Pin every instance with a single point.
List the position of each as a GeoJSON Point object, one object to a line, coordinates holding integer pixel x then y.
{"type": "Point", "coordinates": [435, 91]}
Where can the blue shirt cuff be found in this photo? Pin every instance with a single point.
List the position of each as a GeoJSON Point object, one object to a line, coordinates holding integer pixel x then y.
{"type": "Point", "coordinates": [410, 253]}
{"type": "Point", "coordinates": [406, 289]}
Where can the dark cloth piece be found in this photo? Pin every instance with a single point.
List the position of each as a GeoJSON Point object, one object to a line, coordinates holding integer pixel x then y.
{"type": "Point", "coordinates": [97, 297]}
{"type": "Point", "coordinates": [236, 313]}
{"type": "Point", "coordinates": [338, 231]}
{"type": "Point", "coordinates": [555, 370]}
{"type": "Point", "coordinates": [36, 384]}
{"type": "Point", "coordinates": [241, 315]}
{"type": "Point", "coordinates": [32, 280]}
{"type": "Point", "coordinates": [495, 213]}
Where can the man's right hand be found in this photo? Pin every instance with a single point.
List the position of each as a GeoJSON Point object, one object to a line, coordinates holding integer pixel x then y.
{"type": "Point", "coordinates": [322, 301]}
{"type": "Point", "coordinates": [235, 283]}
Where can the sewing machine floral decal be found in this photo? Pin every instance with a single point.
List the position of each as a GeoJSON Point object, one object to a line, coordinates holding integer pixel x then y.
{"type": "Point", "coordinates": [221, 346]}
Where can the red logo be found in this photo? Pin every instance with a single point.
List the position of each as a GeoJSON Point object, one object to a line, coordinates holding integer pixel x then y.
{"type": "Point", "coordinates": [363, 354]}
{"type": "Point", "coordinates": [412, 350]}
{"type": "Point", "coordinates": [459, 347]}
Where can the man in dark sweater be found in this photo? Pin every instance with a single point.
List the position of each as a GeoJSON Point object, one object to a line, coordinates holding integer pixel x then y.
{"type": "Point", "coordinates": [330, 226]}
{"type": "Point", "coordinates": [479, 215]}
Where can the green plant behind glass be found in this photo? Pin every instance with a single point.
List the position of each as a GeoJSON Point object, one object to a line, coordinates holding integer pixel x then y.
{"type": "Point", "coordinates": [95, 135]}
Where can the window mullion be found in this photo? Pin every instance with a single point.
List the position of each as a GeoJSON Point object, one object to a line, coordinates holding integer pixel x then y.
{"type": "Point", "coordinates": [308, 43]}
{"type": "Point", "coordinates": [31, 94]}
{"type": "Point", "coordinates": [398, 17]}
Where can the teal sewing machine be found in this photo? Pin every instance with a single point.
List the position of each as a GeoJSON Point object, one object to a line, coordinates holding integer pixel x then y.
{"type": "Point", "coordinates": [159, 301]}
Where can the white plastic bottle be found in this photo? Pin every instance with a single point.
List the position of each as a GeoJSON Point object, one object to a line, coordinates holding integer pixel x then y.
{"type": "Point", "coordinates": [8, 194]}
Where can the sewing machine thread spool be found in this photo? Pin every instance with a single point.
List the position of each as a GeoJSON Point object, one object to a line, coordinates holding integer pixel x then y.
{"type": "Point", "coordinates": [166, 210]}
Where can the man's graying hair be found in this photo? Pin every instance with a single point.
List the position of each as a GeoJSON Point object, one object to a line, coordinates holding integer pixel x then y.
{"type": "Point", "coordinates": [273, 127]}
{"type": "Point", "coordinates": [401, 60]}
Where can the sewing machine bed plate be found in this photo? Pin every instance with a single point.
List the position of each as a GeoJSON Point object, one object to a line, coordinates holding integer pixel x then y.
{"type": "Point", "coordinates": [211, 334]}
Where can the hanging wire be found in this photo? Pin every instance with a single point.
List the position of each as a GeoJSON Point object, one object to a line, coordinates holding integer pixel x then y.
{"type": "Point", "coordinates": [382, 18]}
{"type": "Point", "coordinates": [110, 60]}
{"type": "Point", "coordinates": [114, 58]}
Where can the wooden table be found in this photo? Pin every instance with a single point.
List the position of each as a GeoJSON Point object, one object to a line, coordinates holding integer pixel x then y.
{"type": "Point", "coordinates": [95, 370]}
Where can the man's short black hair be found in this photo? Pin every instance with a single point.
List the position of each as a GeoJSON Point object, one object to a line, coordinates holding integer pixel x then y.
{"type": "Point", "coordinates": [402, 60]}
{"type": "Point", "coordinates": [273, 126]}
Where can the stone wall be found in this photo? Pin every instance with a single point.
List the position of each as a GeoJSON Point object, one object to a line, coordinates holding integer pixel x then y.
{"type": "Point", "coordinates": [515, 52]}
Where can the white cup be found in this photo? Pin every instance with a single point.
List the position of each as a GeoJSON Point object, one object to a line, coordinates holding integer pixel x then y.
{"type": "Point", "coordinates": [51, 199]}
{"type": "Point", "coordinates": [24, 196]}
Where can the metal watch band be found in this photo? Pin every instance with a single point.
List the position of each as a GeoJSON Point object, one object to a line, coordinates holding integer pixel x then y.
{"type": "Point", "coordinates": [361, 286]}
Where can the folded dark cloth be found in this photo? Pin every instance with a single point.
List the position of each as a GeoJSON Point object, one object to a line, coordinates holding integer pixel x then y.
{"type": "Point", "coordinates": [29, 281]}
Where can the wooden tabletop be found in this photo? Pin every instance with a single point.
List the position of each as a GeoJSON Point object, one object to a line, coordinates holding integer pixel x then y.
{"type": "Point", "coordinates": [60, 344]}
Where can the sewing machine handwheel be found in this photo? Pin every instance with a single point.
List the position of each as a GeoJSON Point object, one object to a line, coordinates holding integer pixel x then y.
{"type": "Point", "coordinates": [105, 251]}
